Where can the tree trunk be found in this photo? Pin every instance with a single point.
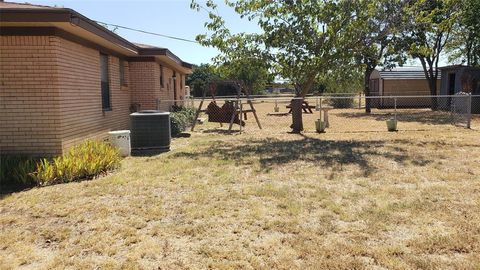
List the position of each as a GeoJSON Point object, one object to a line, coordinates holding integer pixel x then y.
{"type": "Point", "coordinates": [366, 82]}
{"type": "Point", "coordinates": [307, 86]}
{"type": "Point", "coordinates": [432, 83]}
{"type": "Point", "coordinates": [297, 123]}
{"type": "Point", "coordinates": [432, 80]}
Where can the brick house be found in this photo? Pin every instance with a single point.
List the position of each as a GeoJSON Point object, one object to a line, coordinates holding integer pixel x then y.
{"type": "Point", "coordinates": [65, 78]}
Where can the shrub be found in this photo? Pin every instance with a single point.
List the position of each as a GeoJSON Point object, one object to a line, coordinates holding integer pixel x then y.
{"type": "Point", "coordinates": [342, 103]}
{"type": "Point", "coordinates": [178, 123]}
{"type": "Point", "coordinates": [16, 170]}
{"type": "Point", "coordinates": [180, 119]}
{"type": "Point", "coordinates": [83, 161]}
{"type": "Point", "coordinates": [190, 113]}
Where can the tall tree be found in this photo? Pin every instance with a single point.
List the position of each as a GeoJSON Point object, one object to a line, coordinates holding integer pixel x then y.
{"type": "Point", "coordinates": [428, 29]}
{"type": "Point", "coordinates": [465, 45]}
{"type": "Point", "coordinates": [298, 37]}
{"type": "Point", "coordinates": [371, 35]}
{"type": "Point", "coordinates": [253, 72]}
{"type": "Point", "coordinates": [200, 78]}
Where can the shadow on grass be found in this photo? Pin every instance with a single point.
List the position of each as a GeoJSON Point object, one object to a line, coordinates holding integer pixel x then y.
{"type": "Point", "coordinates": [8, 189]}
{"type": "Point", "coordinates": [271, 153]}
{"type": "Point", "coordinates": [221, 131]}
{"type": "Point", "coordinates": [422, 116]}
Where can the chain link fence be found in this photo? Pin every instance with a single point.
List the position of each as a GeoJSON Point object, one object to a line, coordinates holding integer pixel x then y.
{"type": "Point", "coordinates": [270, 115]}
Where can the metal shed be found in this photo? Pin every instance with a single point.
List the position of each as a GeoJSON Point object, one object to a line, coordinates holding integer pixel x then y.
{"type": "Point", "coordinates": [458, 78]}
{"type": "Point", "coordinates": [401, 81]}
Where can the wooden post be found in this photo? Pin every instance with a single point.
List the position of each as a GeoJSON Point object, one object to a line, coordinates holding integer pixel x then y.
{"type": "Point", "coordinates": [233, 115]}
{"type": "Point", "coordinates": [254, 112]}
{"type": "Point", "coordinates": [197, 114]}
{"type": "Point", "coordinates": [297, 124]}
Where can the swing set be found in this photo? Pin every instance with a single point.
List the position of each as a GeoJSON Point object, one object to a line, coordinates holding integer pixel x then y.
{"type": "Point", "coordinates": [231, 111]}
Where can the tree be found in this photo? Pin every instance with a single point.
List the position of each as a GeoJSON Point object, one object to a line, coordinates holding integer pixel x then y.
{"type": "Point", "coordinates": [200, 78]}
{"type": "Point", "coordinates": [345, 80]}
{"type": "Point", "coordinates": [370, 36]}
{"type": "Point", "coordinates": [253, 72]}
{"type": "Point", "coordinates": [428, 29]}
{"type": "Point", "coordinates": [465, 45]}
{"type": "Point", "coordinates": [298, 37]}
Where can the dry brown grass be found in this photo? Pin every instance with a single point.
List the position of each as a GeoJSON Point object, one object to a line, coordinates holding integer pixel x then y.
{"type": "Point", "coordinates": [263, 200]}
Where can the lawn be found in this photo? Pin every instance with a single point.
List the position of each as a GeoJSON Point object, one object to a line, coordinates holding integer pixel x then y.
{"type": "Point", "coordinates": [263, 200]}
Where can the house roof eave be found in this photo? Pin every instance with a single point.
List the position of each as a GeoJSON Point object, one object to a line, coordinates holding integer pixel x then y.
{"type": "Point", "coordinates": [164, 52]}
{"type": "Point", "coordinates": [64, 15]}
{"type": "Point", "coordinates": [45, 14]}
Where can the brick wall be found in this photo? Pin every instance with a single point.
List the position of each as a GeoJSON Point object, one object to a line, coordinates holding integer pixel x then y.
{"type": "Point", "coordinates": [29, 97]}
{"type": "Point", "coordinates": [51, 95]}
{"type": "Point", "coordinates": [144, 84]}
{"type": "Point", "coordinates": [82, 116]}
{"type": "Point", "coordinates": [146, 88]}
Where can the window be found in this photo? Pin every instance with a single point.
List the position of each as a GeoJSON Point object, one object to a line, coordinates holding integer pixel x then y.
{"type": "Point", "coordinates": [123, 81]}
{"type": "Point", "coordinates": [174, 77]}
{"type": "Point", "coordinates": [105, 82]}
{"type": "Point", "coordinates": [161, 76]}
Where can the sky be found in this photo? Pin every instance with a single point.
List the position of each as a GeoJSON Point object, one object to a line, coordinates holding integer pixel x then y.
{"type": "Point", "coordinates": [168, 17]}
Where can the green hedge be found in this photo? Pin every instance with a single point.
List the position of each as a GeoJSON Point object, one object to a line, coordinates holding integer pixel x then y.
{"type": "Point", "coordinates": [180, 119]}
{"type": "Point", "coordinates": [342, 103]}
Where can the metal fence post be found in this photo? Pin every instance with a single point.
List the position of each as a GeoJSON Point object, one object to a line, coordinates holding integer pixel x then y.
{"type": "Point", "coordinates": [360, 100]}
{"type": "Point", "coordinates": [469, 110]}
{"type": "Point", "coordinates": [395, 108]}
{"type": "Point", "coordinates": [320, 109]}
{"type": "Point", "coordinates": [241, 116]}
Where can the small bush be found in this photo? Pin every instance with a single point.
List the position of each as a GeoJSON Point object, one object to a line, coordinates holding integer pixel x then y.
{"type": "Point", "coordinates": [342, 103]}
{"type": "Point", "coordinates": [180, 119]}
{"type": "Point", "coordinates": [83, 161]}
{"type": "Point", "coordinates": [178, 123]}
{"type": "Point", "coordinates": [17, 170]}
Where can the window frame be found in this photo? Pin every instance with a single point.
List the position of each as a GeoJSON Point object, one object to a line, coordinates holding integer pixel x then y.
{"type": "Point", "coordinates": [162, 80]}
{"type": "Point", "coordinates": [121, 69]}
{"type": "Point", "coordinates": [105, 85]}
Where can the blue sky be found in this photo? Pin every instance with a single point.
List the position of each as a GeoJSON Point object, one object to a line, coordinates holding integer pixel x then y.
{"type": "Point", "coordinates": [169, 17]}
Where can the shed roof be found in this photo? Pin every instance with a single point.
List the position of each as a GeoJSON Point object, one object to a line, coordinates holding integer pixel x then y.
{"type": "Point", "coordinates": [453, 67]}
{"type": "Point", "coordinates": [404, 73]}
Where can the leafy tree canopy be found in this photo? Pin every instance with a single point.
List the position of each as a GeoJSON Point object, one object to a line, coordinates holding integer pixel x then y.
{"type": "Point", "coordinates": [200, 78]}
{"type": "Point", "coordinates": [465, 45]}
{"type": "Point", "coordinates": [298, 38]}
{"type": "Point", "coordinates": [307, 41]}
